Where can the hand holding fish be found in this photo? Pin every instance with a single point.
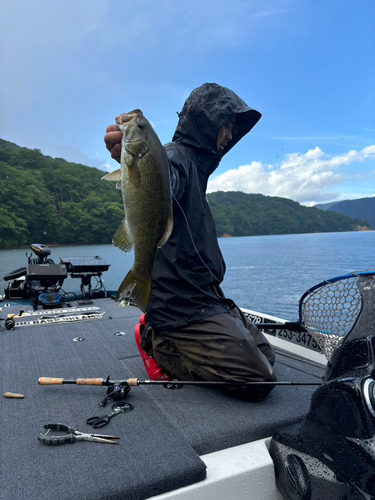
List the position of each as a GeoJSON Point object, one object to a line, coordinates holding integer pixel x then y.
{"type": "Point", "coordinates": [112, 139]}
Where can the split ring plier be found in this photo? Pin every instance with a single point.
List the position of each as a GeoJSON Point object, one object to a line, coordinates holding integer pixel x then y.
{"type": "Point", "coordinates": [73, 435]}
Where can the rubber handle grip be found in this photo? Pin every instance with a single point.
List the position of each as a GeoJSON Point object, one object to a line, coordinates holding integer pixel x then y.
{"type": "Point", "coordinates": [59, 427]}
{"type": "Point", "coordinates": [54, 440]}
{"type": "Point", "coordinates": [100, 422]}
{"type": "Point", "coordinates": [50, 381]}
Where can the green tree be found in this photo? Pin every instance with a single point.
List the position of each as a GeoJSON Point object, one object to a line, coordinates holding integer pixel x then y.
{"type": "Point", "coordinates": [13, 230]}
{"type": "Point", "coordinates": [51, 200]}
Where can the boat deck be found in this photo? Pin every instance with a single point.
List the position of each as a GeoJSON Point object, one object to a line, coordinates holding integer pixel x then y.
{"type": "Point", "coordinates": [162, 439]}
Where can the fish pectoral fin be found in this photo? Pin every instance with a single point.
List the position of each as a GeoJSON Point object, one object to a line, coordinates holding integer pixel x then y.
{"type": "Point", "coordinates": [168, 230]}
{"type": "Point", "coordinates": [137, 149]}
{"type": "Point", "coordinates": [113, 176]}
{"type": "Point", "coordinates": [122, 239]}
{"type": "Point", "coordinates": [136, 288]}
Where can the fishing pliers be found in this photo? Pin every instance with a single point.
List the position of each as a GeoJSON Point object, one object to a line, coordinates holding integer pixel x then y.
{"type": "Point", "coordinates": [73, 435]}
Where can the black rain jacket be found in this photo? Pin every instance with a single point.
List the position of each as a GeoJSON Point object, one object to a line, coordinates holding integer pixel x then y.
{"type": "Point", "coordinates": [189, 268]}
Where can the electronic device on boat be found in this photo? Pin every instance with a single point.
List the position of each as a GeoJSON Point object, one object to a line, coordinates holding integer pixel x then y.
{"type": "Point", "coordinates": [42, 279]}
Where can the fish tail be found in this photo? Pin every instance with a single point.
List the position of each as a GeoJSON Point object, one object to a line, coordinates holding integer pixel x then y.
{"type": "Point", "coordinates": [137, 287]}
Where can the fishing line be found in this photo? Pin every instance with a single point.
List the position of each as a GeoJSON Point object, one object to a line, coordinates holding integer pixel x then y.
{"type": "Point", "coordinates": [192, 240]}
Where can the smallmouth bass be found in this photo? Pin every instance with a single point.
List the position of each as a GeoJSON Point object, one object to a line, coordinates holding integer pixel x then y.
{"type": "Point", "coordinates": [146, 191]}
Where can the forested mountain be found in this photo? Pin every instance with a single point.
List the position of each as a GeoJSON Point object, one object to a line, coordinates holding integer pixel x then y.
{"type": "Point", "coordinates": [49, 200]}
{"type": "Point", "coordinates": [363, 208]}
{"type": "Point", "coordinates": [240, 214]}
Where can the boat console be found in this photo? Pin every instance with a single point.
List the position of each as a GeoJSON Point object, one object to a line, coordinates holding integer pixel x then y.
{"type": "Point", "coordinates": [45, 281]}
{"type": "Point", "coordinates": [42, 279]}
{"type": "Point", "coordinates": [86, 268]}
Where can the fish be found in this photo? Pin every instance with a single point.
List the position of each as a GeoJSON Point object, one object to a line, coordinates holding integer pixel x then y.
{"type": "Point", "coordinates": [144, 180]}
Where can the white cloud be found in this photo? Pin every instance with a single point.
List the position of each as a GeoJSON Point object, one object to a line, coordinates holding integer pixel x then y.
{"type": "Point", "coordinates": [108, 166]}
{"type": "Point", "coordinates": [306, 178]}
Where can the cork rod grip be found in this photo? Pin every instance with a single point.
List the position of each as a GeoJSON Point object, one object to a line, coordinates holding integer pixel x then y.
{"type": "Point", "coordinates": [133, 381]}
{"type": "Point", "coordinates": [89, 381]}
{"type": "Point", "coordinates": [50, 381]}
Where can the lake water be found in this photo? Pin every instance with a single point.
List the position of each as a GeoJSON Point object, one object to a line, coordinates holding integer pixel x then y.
{"type": "Point", "coordinates": [265, 273]}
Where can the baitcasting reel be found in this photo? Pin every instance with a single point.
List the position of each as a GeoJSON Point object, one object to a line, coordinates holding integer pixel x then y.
{"type": "Point", "coordinates": [115, 391]}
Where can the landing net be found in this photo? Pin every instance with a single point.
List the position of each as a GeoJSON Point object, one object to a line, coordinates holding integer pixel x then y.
{"type": "Point", "coordinates": [330, 310]}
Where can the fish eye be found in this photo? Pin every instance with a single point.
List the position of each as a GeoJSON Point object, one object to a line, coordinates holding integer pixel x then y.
{"type": "Point", "coordinates": [141, 126]}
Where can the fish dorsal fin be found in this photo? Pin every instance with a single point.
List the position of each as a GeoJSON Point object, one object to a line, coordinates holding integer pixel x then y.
{"type": "Point", "coordinates": [168, 229]}
{"type": "Point", "coordinates": [122, 239]}
{"type": "Point", "coordinates": [113, 176]}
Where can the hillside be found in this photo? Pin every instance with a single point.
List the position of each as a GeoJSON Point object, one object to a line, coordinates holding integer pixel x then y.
{"type": "Point", "coordinates": [49, 200]}
{"type": "Point", "coordinates": [363, 208]}
{"type": "Point", "coordinates": [240, 214]}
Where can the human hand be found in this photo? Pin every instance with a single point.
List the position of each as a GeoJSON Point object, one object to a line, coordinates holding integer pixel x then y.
{"type": "Point", "coordinates": [112, 141]}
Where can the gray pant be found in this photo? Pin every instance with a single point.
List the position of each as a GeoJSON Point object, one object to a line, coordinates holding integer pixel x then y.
{"type": "Point", "coordinates": [223, 347]}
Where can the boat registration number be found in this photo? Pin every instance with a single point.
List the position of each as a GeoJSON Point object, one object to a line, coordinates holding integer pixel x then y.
{"type": "Point", "coordinates": [303, 339]}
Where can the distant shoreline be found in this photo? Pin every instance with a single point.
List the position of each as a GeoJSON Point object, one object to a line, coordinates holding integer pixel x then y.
{"type": "Point", "coordinates": [54, 245]}
{"type": "Point", "coordinates": [223, 236]}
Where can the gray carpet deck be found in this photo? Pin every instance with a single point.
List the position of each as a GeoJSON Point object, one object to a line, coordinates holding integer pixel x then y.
{"type": "Point", "coordinates": [161, 439]}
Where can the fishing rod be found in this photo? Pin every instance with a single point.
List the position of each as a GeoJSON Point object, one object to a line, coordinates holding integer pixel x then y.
{"type": "Point", "coordinates": [131, 382]}
{"type": "Point", "coordinates": [118, 389]}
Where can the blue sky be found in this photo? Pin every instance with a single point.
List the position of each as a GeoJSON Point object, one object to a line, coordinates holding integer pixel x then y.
{"type": "Point", "coordinates": [68, 67]}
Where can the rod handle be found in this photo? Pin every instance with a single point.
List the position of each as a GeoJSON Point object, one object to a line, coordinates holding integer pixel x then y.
{"type": "Point", "coordinates": [89, 381]}
{"type": "Point", "coordinates": [78, 381]}
{"type": "Point", "coordinates": [132, 382]}
{"type": "Point", "coordinates": [50, 381]}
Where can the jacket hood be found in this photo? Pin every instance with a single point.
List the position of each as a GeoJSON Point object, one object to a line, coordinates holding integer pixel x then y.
{"type": "Point", "coordinates": [205, 111]}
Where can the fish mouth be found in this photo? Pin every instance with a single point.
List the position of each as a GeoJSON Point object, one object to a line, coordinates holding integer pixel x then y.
{"type": "Point", "coordinates": [128, 117]}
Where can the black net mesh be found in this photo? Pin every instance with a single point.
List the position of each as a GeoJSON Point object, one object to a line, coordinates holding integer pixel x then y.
{"type": "Point", "coordinates": [337, 308]}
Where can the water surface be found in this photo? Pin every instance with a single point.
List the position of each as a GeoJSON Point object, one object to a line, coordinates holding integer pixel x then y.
{"type": "Point", "coordinates": [264, 273]}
